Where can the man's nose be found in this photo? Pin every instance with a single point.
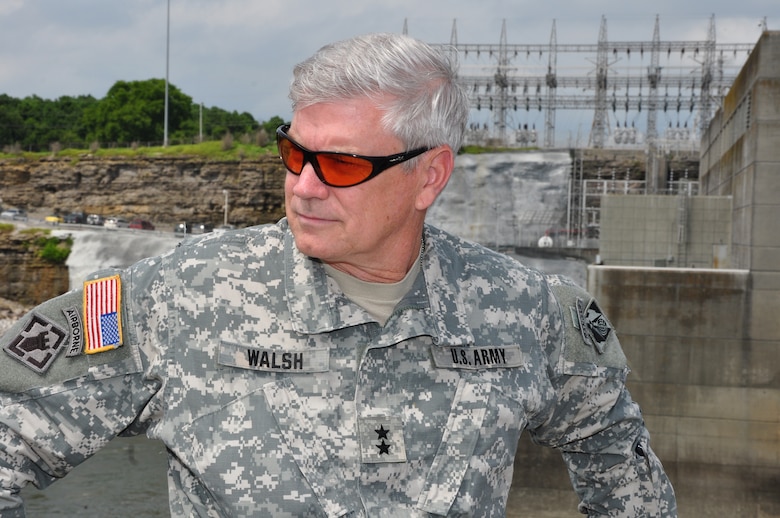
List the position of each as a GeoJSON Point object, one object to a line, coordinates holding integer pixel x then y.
{"type": "Point", "coordinates": [308, 182]}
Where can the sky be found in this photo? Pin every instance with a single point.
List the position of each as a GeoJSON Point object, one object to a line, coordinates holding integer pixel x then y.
{"type": "Point", "coordinates": [238, 54]}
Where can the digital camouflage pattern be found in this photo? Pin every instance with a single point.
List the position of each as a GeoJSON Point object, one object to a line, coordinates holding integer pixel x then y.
{"type": "Point", "coordinates": [277, 396]}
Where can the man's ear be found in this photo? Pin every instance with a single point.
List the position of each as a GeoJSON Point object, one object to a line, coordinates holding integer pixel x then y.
{"type": "Point", "coordinates": [436, 170]}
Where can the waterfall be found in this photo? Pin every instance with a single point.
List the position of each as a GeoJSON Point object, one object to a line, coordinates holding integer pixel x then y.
{"type": "Point", "coordinates": [504, 199]}
{"type": "Point", "coordinates": [97, 249]}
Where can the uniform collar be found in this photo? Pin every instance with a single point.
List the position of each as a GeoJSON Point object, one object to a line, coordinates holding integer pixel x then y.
{"type": "Point", "coordinates": [433, 306]}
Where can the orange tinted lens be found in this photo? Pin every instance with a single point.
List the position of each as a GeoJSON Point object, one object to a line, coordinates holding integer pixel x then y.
{"type": "Point", "coordinates": [343, 170]}
{"type": "Point", "coordinates": [291, 156]}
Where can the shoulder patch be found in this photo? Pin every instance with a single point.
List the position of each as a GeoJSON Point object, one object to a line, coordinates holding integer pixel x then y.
{"type": "Point", "coordinates": [46, 347]}
{"type": "Point", "coordinates": [593, 325]}
{"type": "Point", "coordinates": [589, 336]}
{"type": "Point", "coordinates": [38, 343]}
{"type": "Point", "coordinates": [102, 315]}
{"type": "Point", "coordinates": [73, 316]}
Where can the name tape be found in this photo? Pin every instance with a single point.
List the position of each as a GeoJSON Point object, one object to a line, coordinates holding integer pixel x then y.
{"type": "Point", "coordinates": [273, 360]}
{"type": "Point", "coordinates": [475, 358]}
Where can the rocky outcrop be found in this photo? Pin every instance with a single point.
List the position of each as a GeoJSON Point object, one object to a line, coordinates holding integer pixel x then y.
{"type": "Point", "coordinates": [26, 277]}
{"type": "Point", "coordinates": [163, 190]}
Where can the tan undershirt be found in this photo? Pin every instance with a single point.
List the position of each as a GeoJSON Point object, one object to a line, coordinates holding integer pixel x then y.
{"type": "Point", "coordinates": [378, 298]}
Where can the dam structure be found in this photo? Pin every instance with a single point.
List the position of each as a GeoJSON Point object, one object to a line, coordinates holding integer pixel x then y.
{"type": "Point", "coordinates": [692, 285]}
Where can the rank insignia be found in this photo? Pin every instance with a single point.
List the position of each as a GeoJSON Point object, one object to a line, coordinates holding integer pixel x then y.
{"type": "Point", "coordinates": [382, 439]}
{"type": "Point", "coordinates": [38, 343]}
{"type": "Point", "coordinates": [593, 325]}
{"type": "Point", "coordinates": [102, 315]}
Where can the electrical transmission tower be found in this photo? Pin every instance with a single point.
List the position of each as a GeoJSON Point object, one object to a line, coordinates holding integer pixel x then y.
{"type": "Point", "coordinates": [693, 80]}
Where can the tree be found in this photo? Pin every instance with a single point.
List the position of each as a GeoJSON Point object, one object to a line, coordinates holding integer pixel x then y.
{"type": "Point", "coordinates": [35, 123]}
{"type": "Point", "coordinates": [131, 111]}
{"type": "Point", "coordinates": [11, 121]}
{"type": "Point", "coordinates": [134, 111]}
{"type": "Point", "coordinates": [217, 122]}
{"type": "Point", "coordinates": [271, 124]}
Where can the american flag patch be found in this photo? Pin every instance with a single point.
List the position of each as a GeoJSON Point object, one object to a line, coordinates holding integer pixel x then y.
{"type": "Point", "coordinates": [102, 315]}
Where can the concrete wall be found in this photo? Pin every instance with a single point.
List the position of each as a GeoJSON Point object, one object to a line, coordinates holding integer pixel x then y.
{"type": "Point", "coordinates": [656, 230]}
{"type": "Point", "coordinates": [708, 386]}
{"type": "Point", "coordinates": [704, 344]}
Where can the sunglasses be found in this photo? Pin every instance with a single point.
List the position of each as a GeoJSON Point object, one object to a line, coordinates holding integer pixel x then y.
{"type": "Point", "coordinates": [336, 169]}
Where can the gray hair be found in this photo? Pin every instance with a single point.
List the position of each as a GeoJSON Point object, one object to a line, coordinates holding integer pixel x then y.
{"type": "Point", "coordinates": [413, 83]}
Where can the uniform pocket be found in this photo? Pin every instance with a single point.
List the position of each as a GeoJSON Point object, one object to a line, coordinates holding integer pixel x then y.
{"type": "Point", "coordinates": [260, 452]}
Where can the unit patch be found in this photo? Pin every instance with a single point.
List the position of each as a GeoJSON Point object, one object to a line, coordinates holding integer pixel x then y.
{"type": "Point", "coordinates": [382, 439]}
{"type": "Point", "coordinates": [593, 325]}
{"type": "Point", "coordinates": [38, 343]}
{"type": "Point", "coordinates": [102, 315]}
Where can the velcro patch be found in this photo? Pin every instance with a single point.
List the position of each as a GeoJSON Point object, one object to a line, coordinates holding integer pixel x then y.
{"type": "Point", "coordinates": [73, 316]}
{"type": "Point", "coordinates": [593, 324]}
{"type": "Point", "coordinates": [102, 314]}
{"type": "Point", "coordinates": [274, 360]}
{"type": "Point", "coordinates": [382, 439]}
{"type": "Point", "coordinates": [477, 358]}
{"type": "Point", "coordinates": [37, 344]}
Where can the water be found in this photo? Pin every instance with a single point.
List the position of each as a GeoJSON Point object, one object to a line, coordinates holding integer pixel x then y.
{"type": "Point", "coordinates": [497, 200]}
{"type": "Point", "coordinates": [97, 249]}
{"type": "Point", "coordinates": [125, 479]}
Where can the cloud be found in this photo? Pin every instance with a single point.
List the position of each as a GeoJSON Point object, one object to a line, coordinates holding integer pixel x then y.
{"type": "Point", "coordinates": [238, 54]}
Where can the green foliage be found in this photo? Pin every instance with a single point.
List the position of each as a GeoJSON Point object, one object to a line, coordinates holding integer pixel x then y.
{"type": "Point", "coordinates": [33, 122]}
{"type": "Point", "coordinates": [271, 124]}
{"type": "Point", "coordinates": [211, 150]}
{"type": "Point", "coordinates": [135, 111]}
{"type": "Point", "coordinates": [217, 122]}
{"type": "Point", "coordinates": [35, 231]}
{"type": "Point", "coordinates": [6, 228]}
{"type": "Point", "coordinates": [54, 250]}
{"type": "Point", "coordinates": [131, 113]}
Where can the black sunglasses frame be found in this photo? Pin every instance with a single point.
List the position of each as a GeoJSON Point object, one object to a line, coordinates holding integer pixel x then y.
{"type": "Point", "coordinates": [379, 163]}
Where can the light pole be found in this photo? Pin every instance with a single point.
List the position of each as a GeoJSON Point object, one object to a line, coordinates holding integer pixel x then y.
{"type": "Point", "coordinates": [225, 192]}
{"type": "Point", "coordinates": [167, 58]}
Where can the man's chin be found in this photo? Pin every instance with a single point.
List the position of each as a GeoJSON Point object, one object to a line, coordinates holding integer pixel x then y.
{"type": "Point", "coordinates": [312, 247]}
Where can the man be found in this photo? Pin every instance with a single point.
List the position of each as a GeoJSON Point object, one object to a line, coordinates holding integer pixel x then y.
{"type": "Point", "coordinates": [347, 361]}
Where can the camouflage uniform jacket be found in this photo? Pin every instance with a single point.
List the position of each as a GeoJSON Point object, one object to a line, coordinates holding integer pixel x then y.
{"type": "Point", "coordinates": [275, 395]}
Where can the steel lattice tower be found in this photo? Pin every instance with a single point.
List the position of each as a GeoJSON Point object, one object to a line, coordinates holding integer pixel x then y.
{"type": "Point", "coordinates": [503, 86]}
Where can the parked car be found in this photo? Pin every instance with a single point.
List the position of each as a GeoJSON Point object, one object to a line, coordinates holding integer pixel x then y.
{"type": "Point", "coordinates": [141, 224]}
{"type": "Point", "coordinates": [53, 219]}
{"type": "Point", "coordinates": [183, 228]}
{"type": "Point", "coordinates": [17, 214]}
{"type": "Point", "coordinates": [95, 219]}
{"type": "Point", "coordinates": [116, 222]}
{"type": "Point", "coordinates": [202, 228]}
{"type": "Point", "coordinates": [78, 218]}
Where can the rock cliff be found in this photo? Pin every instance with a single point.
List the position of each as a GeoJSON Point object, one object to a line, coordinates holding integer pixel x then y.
{"type": "Point", "coordinates": [25, 276]}
{"type": "Point", "coordinates": [163, 190]}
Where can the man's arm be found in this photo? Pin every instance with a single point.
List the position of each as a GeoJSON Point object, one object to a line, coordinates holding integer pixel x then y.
{"type": "Point", "coordinates": [595, 424]}
{"type": "Point", "coordinates": [58, 405]}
